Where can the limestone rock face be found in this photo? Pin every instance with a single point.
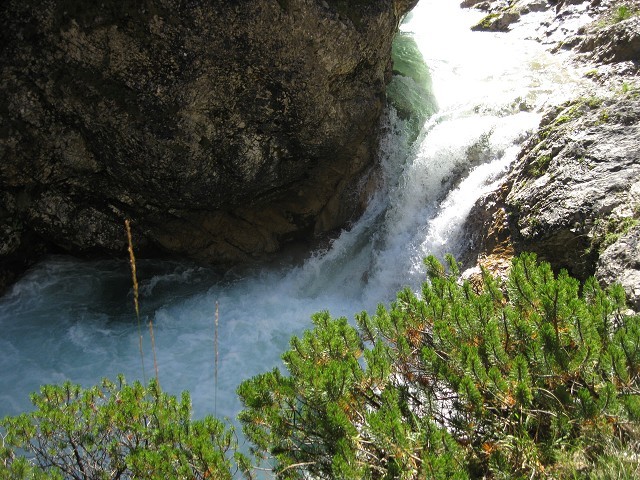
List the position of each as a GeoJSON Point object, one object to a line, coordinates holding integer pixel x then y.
{"type": "Point", "coordinates": [574, 189]}
{"type": "Point", "coordinates": [573, 195]}
{"type": "Point", "coordinates": [577, 179]}
{"type": "Point", "coordinates": [497, 22]}
{"type": "Point", "coordinates": [221, 129]}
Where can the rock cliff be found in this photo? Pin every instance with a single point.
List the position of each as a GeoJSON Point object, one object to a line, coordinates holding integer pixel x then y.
{"type": "Point", "coordinates": [573, 196]}
{"type": "Point", "coordinates": [221, 129]}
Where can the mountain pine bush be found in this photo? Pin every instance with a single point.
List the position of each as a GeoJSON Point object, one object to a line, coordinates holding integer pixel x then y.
{"type": "Point", "coordinates": [115, 431]}
{"type": "Point", "coordinates": [501, 381]}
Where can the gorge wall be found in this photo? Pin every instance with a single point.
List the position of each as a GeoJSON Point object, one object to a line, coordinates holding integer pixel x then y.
{"type": "Point", "coordinates": [573, 196]}
{"type": "Point", "coordinates": [221, 129]}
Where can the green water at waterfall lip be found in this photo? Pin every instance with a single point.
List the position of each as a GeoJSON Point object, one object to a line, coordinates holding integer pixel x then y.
{"type": "Point", "coordinates": [409, 91]}
{"type": "Point", "coordinates": [408, 60]}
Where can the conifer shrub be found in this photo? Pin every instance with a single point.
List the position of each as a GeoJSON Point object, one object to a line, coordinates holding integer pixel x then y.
{"type": "Point", "coordinates": [115, 431]}
{"type": "Point", "coordinates": [500, 380]}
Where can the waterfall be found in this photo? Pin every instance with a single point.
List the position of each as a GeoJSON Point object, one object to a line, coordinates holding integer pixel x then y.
{"type": "Point", "coordinates": [450, 134]}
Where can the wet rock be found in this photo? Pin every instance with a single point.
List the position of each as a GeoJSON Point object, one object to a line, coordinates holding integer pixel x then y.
{"type": "Point", "coordinates": [497, 22]}
{"type": "Point", "coordinates": [221, 129]}
{"type": "Point", "coordinates": [619, 42]}
{"type": "Point", "coordinates": [478, 4]}
{"type": "Point", "coordinates": [488, 237]}
{"type": "Point", "coordinates": [503, 14]}
{"type": "Point", "coordinates": [529, 6]}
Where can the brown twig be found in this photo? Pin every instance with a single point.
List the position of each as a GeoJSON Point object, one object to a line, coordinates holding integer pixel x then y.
{"type": "Point", "coordinates": [215, 373]}
{"type": "Point", "coordinates": [153, 349]}
{"type": "Point", "coordinates": [134, 279]}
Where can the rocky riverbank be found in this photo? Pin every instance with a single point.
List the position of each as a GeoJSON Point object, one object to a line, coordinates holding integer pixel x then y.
{"type": "Point", "coordinates": [573, 196]}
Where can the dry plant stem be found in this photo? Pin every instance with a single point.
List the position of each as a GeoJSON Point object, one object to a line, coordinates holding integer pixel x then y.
{"type": "Point", "coordinates": [153, 349]}
{"type": "Point", "coordinates": [215, 374]}
{"type": "Point", "coordinates": [134, 278]}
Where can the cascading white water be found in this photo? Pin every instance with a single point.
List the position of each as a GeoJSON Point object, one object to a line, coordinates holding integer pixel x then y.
{"type": "Point", "coordinates": [70, 319]}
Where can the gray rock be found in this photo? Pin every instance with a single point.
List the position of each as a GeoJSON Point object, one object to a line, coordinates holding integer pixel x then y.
{"type": "Point", "coordinates": [578, 173]}
{"type": "Point", "coordinates": [619, 42]}
{"type": "Point", "coordinates": [482, 4]}
{"type": "Point", "coordinates": [620, 263]}
{"type": "Point", "coordinates": [497, 22]}
{"type": "Point", "coordinates": [221, 129]}
{"type": "Point", "coordinates": [529, 6]}
{"type": "Point", "coordinates": [571, 187]}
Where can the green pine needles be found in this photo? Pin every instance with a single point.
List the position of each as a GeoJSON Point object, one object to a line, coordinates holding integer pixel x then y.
{"type": "Point", "coordinates": [115, 431]}
{"type": "Point", "coordinates": [539, 381]}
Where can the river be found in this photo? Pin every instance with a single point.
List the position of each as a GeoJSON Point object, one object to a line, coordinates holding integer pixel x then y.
{"type": "Point", "coordinates": [69, 319]}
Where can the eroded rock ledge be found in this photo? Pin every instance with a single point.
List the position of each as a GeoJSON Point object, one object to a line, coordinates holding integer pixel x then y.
{"type": "Point", "coordinates": [573, 196]}
{"type": "Point", "coordinates": [221, 129]}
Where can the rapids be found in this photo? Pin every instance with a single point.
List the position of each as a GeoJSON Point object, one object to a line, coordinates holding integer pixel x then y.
{"type": "Point", "coordinates": [73, 319]}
